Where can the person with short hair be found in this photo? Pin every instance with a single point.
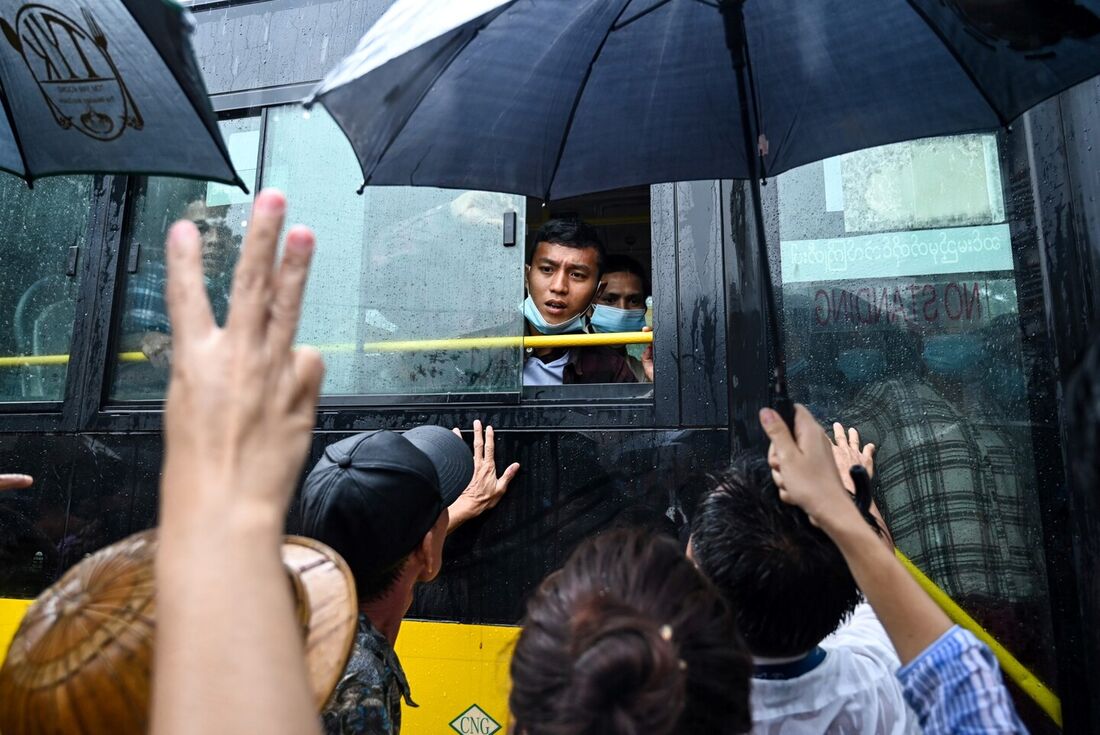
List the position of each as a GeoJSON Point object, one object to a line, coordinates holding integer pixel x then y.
{"type": "Point", "coordinates": [563, 275]}
{"type": "Point", "coordinates": [383, 501]}
{"type": "Point", "coordinates": [822, 658]}
{"type": "Point", "coordinates": [628, 637]}
{"type": "Point", "coordinates": [621, 307]}
{"type": "Point", "coordinates": [949, 678]}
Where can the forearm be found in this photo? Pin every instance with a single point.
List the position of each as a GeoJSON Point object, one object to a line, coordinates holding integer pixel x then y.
{"type": "Point", "coordinates": [229, 652]}
{"type": "Point", "coordinates": [912, 620]}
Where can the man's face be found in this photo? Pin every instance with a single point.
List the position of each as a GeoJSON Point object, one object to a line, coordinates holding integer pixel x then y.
{"type": "Point", "coordinates": [622, 290]}
{"type": "Point", "coordinates": [562, 280]}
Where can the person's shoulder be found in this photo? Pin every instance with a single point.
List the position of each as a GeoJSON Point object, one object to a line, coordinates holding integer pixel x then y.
{"type": "Point", "coordinates": [602, 364]}
{"type": "Point", "coordinates": [863, 636]}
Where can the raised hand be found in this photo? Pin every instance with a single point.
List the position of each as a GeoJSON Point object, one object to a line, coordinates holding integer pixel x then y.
{"type": "Point", "coordinates": [848, 454]}
{"type": "Point", "coordinates": [805, 470]}
{"type": "Point", "coordinates": [241, 402]}
{"type": "Point", "coordinates": [486, 488]}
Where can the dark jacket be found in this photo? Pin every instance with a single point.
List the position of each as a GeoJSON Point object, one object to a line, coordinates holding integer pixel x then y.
{"type": "Point", "coordinates": [598, 364]}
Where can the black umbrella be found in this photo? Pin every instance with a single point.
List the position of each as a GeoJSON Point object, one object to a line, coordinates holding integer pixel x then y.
{"type": "Point", "coordinates": [105, 87]}
{"type": "Point", "coordinates": [557, 99]}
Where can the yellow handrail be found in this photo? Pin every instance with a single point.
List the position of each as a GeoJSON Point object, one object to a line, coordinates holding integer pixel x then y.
{"type": "Point", "coordinates": [1027, 681]}
{"type": "Point", "coordinates": [417, 345]}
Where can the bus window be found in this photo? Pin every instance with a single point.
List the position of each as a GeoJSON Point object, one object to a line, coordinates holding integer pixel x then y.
{"type": "Point", "coordinates": [413, 290]}
{"type": "Point", "coordinates": [900, 315]}
{"type": "Point", "coordinates": [622, 301]}
{"type": "Point", "coordinates": [45, 229]}
{"type": "Point", "coordinates": [221, 213]}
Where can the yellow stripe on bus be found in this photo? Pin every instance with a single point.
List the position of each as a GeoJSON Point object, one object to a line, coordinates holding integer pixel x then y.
{"type": "Point", "coordinates": [454, 666]}
{"type": "Point", "coordinates": [411, 345]}
{"type": "Point", "coordinates": [450, 667]}
{"type": "Point", "coordinates": [1016, 671]}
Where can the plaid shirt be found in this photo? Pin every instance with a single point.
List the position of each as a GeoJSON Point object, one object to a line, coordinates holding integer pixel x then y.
{"type": "Point", "coordinates": [955, 490]}
{"type": "Point", "coordinates": [367, 701]}
{"type": "Point", "coordinates": [955, 686]}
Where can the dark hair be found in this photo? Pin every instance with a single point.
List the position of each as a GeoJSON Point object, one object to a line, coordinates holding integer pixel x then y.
{"type": "Point", "coordinates": [787, 582]}
{"type": "Point", "coordinates": [370, 587]}
{"type": "Point", "coordinates": [571, 234]}
{"type": "Point", "coordinates": [628, 638]}
{"type": "Point", "coordinates": [617, 263]}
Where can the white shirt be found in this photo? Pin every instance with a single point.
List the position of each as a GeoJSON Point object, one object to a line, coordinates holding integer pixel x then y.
{"type": "Point", "coordinates": [854, 691]}
{"type": "Point", "coordinates": [537, 372]}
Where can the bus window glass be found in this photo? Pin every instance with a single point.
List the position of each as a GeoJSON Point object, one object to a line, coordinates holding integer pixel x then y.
{"type": "Point", "coordinates": [221, 213]}
{"type": "Point", "coordinates": [900, 316]}
{"type": "Point", "coordinates": [411, 288]}
{"type": "Point", "coordinates": [37, 285]}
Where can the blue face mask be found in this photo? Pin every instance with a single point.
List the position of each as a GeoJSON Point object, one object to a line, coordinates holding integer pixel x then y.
{"type": "Point", "coordinates": [614, 319]}
{"type": "Point", "coordinates": [958, 356]}
{"type": "Point", "coordinates": [862, 365]}
{"type": "Point", "coordinates": [538, 321]}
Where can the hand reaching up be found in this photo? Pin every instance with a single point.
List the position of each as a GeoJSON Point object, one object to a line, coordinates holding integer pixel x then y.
{"type": "Point", "coordinates": [805, 470]}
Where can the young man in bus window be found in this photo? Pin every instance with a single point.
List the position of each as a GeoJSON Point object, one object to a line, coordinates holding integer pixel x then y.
{"type": "Point", "coordinates": [621, 307]}
{"type": "Point", "coordinates": [563, 275]}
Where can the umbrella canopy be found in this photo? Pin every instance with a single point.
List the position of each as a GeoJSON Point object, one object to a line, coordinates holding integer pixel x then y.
{"type": "Point", "coordinates": [556, 99]}
{"type": "Point", "coordinates": [105, 87]}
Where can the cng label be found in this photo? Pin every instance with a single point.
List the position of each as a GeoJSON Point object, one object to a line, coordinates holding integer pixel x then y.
{"type": "Point", "coordinates": [475, 721]}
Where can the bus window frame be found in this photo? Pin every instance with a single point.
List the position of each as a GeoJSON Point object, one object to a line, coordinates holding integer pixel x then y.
{"type": "Point", "coordinates": [690, 353]}
{"type": "Point", "coordinates": [59, 415]}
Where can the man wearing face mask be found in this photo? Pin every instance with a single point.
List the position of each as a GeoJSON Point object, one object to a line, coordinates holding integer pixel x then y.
{"type": "Point", "coordinates": [563, 276]}
{"type": "Point", "coordinates": [621, 306]}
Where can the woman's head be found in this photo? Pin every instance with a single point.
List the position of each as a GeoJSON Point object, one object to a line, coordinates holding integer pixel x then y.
{"type": "Point", "coordinates": [628, 637]}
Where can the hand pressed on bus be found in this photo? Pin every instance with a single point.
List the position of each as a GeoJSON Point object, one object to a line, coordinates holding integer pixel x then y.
{"type": "Point", "coordinates": [486, 488]}
{"type": "Point", "coordinates": [15, 481]}
{"type": "Point", "coordinates": [238, 416]}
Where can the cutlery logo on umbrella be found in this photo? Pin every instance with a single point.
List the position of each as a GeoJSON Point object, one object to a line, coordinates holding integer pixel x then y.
{"type": "Point", "coordinates": [74, 71]}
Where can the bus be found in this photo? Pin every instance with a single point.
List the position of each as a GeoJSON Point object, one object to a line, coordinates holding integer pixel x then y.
{"type": "Point", "coordinates": [936, 294]}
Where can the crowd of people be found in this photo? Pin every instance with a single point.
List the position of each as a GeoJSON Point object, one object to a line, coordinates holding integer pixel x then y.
{"type": "Point", "coordinates": [785, 611]}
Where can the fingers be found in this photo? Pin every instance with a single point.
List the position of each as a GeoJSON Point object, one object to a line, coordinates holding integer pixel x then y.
{"type": "Point", "coordinates": [17, 481]}
{"type": "Point", "coordinates": [185, 294]}
{"type": "Point", "coordinates": [490, 446]}
{"type": "Point", "coordinates": [777, 431]}
{"type": "Point", "coordinates": [309, 371]}
{"type": "Point", "coordinates": [290, 284]}
{"type": "Point", "coordinates": [508, 475]}
{"type": "Point", "coordinates": [869, 451]}
{"type": "Point", "coordinates": [853, 438]}
{"type": "Point", "coordinates": [249, 302]}
{"type": "Point", "coordinates": [479, 442]}
{"type": "Point", "coordinates": [838, 433]}
{"type": "Point", "coordinates": [805, 425]}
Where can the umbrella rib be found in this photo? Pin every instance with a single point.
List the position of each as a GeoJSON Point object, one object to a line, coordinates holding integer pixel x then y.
{"type": "Point", "coordinates": [27, 176]}
{"type": "Point", "coordinates": [640, 15]}
{"type": "Point", "coordinates": [959, 60]}
{"type": "Point", "coordinates": [577, 100]}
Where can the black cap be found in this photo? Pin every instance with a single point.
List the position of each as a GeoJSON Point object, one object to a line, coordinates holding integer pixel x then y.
{"type": "Point", "coordinates": [373, 496]}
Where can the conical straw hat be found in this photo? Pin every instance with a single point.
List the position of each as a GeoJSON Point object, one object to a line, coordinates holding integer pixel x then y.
{"type": "Point", "coordinates": [81, 659]}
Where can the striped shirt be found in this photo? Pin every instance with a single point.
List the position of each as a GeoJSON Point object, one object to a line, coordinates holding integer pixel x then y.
{"type": "Point", "coordinates": [955, 686]}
